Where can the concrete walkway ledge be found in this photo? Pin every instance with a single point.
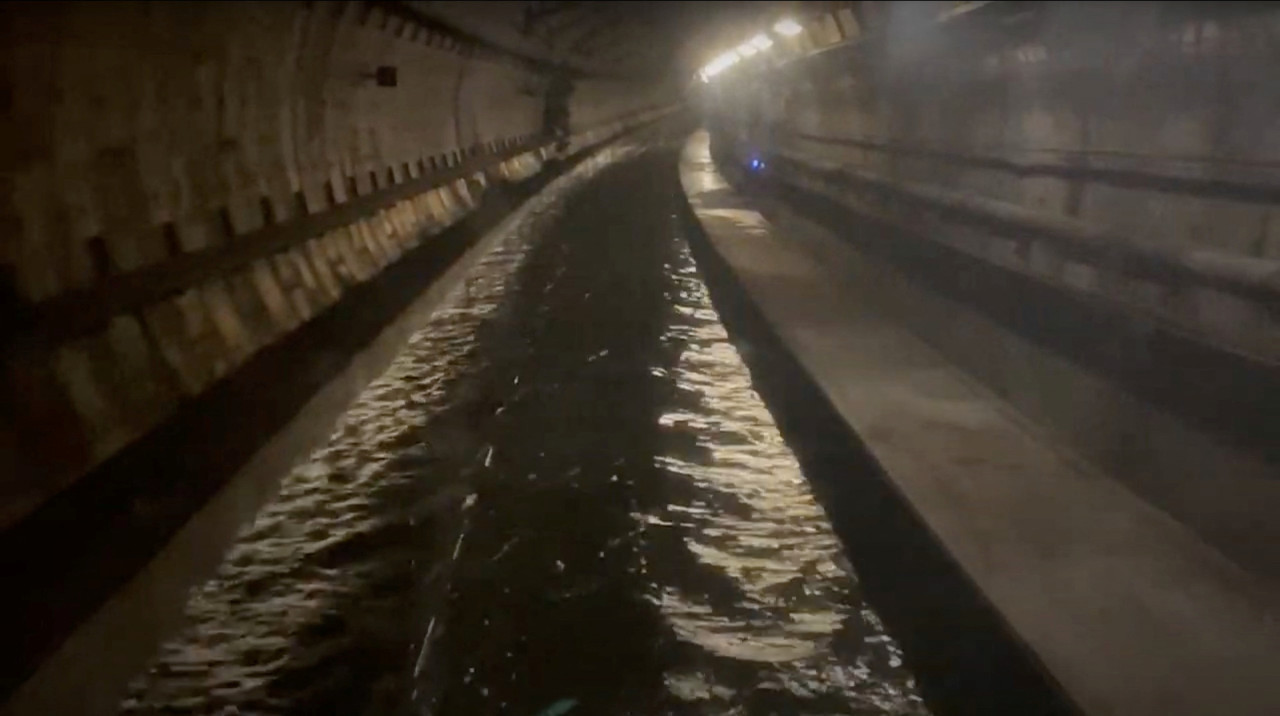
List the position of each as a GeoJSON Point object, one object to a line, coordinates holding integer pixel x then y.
{"type": "Point", "coordinates": [1128, 611]}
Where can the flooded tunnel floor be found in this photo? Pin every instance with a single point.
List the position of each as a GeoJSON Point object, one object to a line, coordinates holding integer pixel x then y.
{"type": "Point", "coordinates": [564, 497]}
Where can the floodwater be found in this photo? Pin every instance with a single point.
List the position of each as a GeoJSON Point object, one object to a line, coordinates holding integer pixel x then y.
{"type": "Point", "coordinates": [563, 498]}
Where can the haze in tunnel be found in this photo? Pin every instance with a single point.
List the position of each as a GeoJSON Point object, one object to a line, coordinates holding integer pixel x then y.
{"type": "Point", "coordinates": [639, 357]}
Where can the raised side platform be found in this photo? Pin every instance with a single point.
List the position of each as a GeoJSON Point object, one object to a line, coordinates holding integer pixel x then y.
{"type": "Point", "coordinates": [1126, 609]}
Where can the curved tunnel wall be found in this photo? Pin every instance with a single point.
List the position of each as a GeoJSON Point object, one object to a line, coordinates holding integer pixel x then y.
{"type": "Point", "coordinates": [1129, 150]}
{"type": "Point", "coordinates": [185, 183]}
{"type": "Point", "coordinates": [1078, 208]}
{"type": "Point", "coordinates": [1153, 120]}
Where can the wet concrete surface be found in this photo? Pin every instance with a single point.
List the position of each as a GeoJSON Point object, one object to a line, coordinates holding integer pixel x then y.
{"type": "Point", "coordinates": [564, 497]}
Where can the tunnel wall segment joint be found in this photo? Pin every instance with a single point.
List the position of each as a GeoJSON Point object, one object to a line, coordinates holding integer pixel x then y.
{"type": "Point", "coordinates": [106, 549]}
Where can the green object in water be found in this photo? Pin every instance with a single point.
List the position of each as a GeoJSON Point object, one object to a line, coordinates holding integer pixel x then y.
{"type": "Point", "coordinates": [563, 706]}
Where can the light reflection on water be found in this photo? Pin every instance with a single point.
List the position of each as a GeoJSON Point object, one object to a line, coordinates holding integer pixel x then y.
{"type": "Point", "coordinates": [797, 618]}
{"type": "Point", "coordinates": [565, 491]}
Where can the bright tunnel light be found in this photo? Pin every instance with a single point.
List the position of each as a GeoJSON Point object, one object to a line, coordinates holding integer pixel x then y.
{"type": "Point", "coordinates": [788, 28]}
{"type": "Point", "coordinates": [760, 42]}
{"type": "Point", "coordinates": [720, 64]}
{"type": "Point", "coordinates": [746, 49]}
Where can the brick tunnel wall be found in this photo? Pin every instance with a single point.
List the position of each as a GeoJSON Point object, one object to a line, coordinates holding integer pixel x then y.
{"type": "Point", "coordinates": [144, 141]}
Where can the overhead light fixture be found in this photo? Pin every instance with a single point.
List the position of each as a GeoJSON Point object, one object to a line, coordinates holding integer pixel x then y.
{"type": "Point", "coordinates": [760, 42]}
{"type": "Point", "coordinates": [746, 49]}
{"type": "Point", "coordinates": [787, 28]}
{"type": "Point", "coordinates": [720, 64]}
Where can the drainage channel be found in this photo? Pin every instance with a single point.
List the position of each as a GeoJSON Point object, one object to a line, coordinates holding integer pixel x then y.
{"type": "Point", "coordinates": [565, 496]}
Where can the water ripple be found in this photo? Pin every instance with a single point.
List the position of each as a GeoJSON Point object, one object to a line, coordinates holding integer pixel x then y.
{"type": "Point", "coordinates": [563, 497]}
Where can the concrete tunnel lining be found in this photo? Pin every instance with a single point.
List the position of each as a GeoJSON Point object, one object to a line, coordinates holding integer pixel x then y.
{"type": "Point", "coordinates": [140, 570]}
{"type": "Point", "coordinates": [199, 189]}
{"type": "Point", "coordinates": [107, 203]}
{"type": "Point", "coordinates": [189, 188]}
{"type": "Point", "coordinates": [1044, 527]}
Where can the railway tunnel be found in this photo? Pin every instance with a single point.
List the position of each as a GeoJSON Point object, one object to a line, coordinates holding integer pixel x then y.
{"type": "Point", "coordinates": [639, 358]}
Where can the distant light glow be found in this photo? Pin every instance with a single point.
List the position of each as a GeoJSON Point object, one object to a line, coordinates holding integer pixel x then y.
{"type": "Point", "coordinates": [757, 164]}
{"type": "Point", "coordinates": [788, 28]}
{"type": "Point", "coordinates": [719, 64]}
{"type": "Point", "coordinates": [751, 47]}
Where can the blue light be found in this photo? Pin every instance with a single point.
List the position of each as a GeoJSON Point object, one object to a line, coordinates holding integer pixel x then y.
{"type": "Point", "coordinates": [757, 164]}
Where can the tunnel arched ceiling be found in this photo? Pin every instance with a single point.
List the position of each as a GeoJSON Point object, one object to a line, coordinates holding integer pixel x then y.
{"type": "Point", "coordinates": [633, 39]}
{"type": "Point", "coordinates": [190, 189]}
